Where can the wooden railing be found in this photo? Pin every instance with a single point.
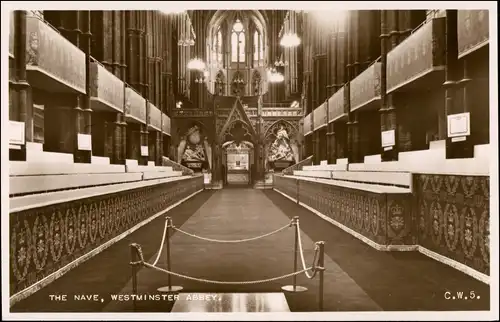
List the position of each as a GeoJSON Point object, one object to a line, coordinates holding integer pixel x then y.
{"type": "Point", "coordinates": [298, 166]}
{"type": "Point", "coordinates": [176, 166]}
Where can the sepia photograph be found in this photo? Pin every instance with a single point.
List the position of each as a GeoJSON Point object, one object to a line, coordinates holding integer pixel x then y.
{"type": "Point", "coordinates": [184, 160]}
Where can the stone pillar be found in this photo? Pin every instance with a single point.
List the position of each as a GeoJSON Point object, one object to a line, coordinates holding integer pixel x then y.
{"type": "Point", "coordinates": [20, 84]}
{"type": "Point", "coordinates": [465, 148]}
{"type": "Point", "coordinates": [383, 70]}
{"type": "Point", "coordinates": [87, 111]}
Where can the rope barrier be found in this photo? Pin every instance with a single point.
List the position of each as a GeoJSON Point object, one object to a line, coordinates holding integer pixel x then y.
{"type": "Point", "coordinates": [231, 241]}
{"type": "Point", "coordinates": [316, 250]}
{"type": "Point", "coordinates": [224, 282]}
{"type": "Point", "coordinates": [162, 243]}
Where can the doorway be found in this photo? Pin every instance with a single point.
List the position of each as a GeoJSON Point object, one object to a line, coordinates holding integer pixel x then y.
{"type": "Point", "coordinates": [238, 163]}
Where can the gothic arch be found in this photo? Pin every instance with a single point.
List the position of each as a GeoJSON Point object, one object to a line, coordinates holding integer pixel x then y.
{"type": "Point", "coordinates": [291, 129]}
{"type": "Point", "coordinates": [229, 133]}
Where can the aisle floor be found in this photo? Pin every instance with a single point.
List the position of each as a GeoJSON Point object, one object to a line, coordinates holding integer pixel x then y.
{"type": "Point", "coordinates": [357, 277]}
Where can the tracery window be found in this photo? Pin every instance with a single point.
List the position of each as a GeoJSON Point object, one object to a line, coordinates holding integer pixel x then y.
{"type": "Point", "coordinates": [238, 42]}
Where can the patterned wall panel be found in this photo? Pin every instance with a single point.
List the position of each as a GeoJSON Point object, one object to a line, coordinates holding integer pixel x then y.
{"type": "Point", "coordinates": [454, 217]}
{"type": "Point", "coordinates": [420, 53]}
{"type": "Point", "coordinates": [49, 52]}
{"type": "Point", "coordinates": [154, 117]}
{"type": "Point", "coordinates": [320, 117]}
{"type": "Point", "coordinates": [43, 240]}
{"type": "Point", "coordinates": [473, 30]}
{"type": "Point", "coordinates": [106, 87]}
{"type": "Point", "coordinates": [385, 219]}
{"type": "Point", "coordinates": [366, 87]}
{"type": "Point", "coordinates": [135, 105]}
{"type": "Point", "coordinates": [336, 105]}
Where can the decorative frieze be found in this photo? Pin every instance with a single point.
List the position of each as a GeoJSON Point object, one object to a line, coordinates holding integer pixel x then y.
{"type": "Point", "coordinates": [365, 89]}
{"type": "Point", "coordinates": [135, 106]}
{"type": "Point", "coordinates": [191, 113]}
{"type": "Point", "coordinates": [384, 218]}
{"type": "Point", "coordinates": [453, 217]}
{"type": "Point", "coordinates": [419, 54]}
{"type": "Point", "coordinates": [53, 62]}
{"type": "Point", "coordinates": [154, 117]}
{"type": "Point", "coordinates": [45, 239]}
{"type": "Point", "coordinates": [107, 91]}
{"type": "Point", "coordinates": [320, 117]}
{"type": "Point", "coordinates": [336, 105]}
{"type": "Point", "coordinates": [473, 30]}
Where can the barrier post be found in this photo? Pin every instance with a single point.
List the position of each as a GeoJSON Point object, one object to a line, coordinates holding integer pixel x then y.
{"type": "Point", "coordinates": [133, 265]}
{"type": "Point", "coordinates": [321, 270]}
{"type": "Point", "coordinates": [169, 288]}
{"type": "Point", "coordinates": [294, 287]}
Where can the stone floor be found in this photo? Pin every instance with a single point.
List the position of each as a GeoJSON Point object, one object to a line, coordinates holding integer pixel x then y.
{"type": "Point", "coordinates": [357, 277]}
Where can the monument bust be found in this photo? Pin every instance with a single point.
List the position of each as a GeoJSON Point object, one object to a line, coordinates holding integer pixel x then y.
{"type": "Point", "coordinates": [194, 150]}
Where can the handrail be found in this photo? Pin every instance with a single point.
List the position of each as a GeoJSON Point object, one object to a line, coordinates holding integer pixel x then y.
{"type": "Point", "coordinates": [298, 166]}
{"type": "Point", "coordinates": [176, 166]}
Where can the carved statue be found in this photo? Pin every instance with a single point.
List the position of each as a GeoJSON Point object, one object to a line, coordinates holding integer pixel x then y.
{"type": "Point", "coordinates": [195, 152]}
{"type": "Point", "coordinates": [282, 149]}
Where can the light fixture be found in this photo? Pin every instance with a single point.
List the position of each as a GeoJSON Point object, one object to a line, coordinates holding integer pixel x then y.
{"type": "Point", "coordinates": [196, 64]}
{"type": "Point", "coordinates": [199, 80]}
{"type": "Point", "coordinates": [178, 104]}
{"type": "Point", "coordinates": [274, 77]}
{"type": "Point", "coordinates": [290, 40]}
{"type": "Point", "coordinates": [238, 80]}
{"type": "Point", "coordinates": [279, 63]}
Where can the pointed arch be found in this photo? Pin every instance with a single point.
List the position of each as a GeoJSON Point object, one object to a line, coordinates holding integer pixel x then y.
{"type": "Point", "coordinates": [291, 129]}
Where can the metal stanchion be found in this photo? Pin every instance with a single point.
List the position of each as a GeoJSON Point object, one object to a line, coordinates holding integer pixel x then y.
{"type": "Point", "coordinates": [169, 288]}
{"type": "Point", "coordinates": [321, 270]}
{"type": "Point", "coordinates": [295, 287]}
{"type": "Point", "coordinates": [133, 264]}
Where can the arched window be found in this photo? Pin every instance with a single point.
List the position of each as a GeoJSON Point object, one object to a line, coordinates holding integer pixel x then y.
{"type": "Point", "coordinates": [238, 42]}
{"type": "Point", "coordinates": [242, 47]}
{"type": "Point", "coordinates": [234, 47]}
{"type": "Point", "coordinates": [219, 48]}
{"type": "Point", "coordinates": [261, 47]}
{"type": "Point", "coordinates": [256, 43]}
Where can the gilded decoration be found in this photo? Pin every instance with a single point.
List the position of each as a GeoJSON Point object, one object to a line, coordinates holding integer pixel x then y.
{"type": "Point", "coordinates": [454, 217]}
{"type": "Point", "coordinates": [43, 240]}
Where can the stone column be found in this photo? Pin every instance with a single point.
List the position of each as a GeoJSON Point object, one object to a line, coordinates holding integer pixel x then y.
{"type": "Point", "coordinates": [384, 36]}
{"type": "Point", "coordinates": [20, 84]}
{"type": "Point", "coordinates": [457, 149]}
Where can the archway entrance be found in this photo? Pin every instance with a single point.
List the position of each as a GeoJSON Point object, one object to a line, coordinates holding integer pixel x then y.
{"type": "Point", "coordinates": [238, 155]}
{"type": "Point", "coordinates": [238, 162]}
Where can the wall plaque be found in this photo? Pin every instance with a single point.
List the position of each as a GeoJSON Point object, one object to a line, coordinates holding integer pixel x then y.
{"type": "Point", "coordinates": [84, 142]}
{"type": "Point", "coordinates": [458, 125]}
{"type": "Point", "coordinates": [144, 150]}
{"type": "Point", "coordinates": [16, 133]}
{"type": "Point", "coordinates": [388, 138]}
